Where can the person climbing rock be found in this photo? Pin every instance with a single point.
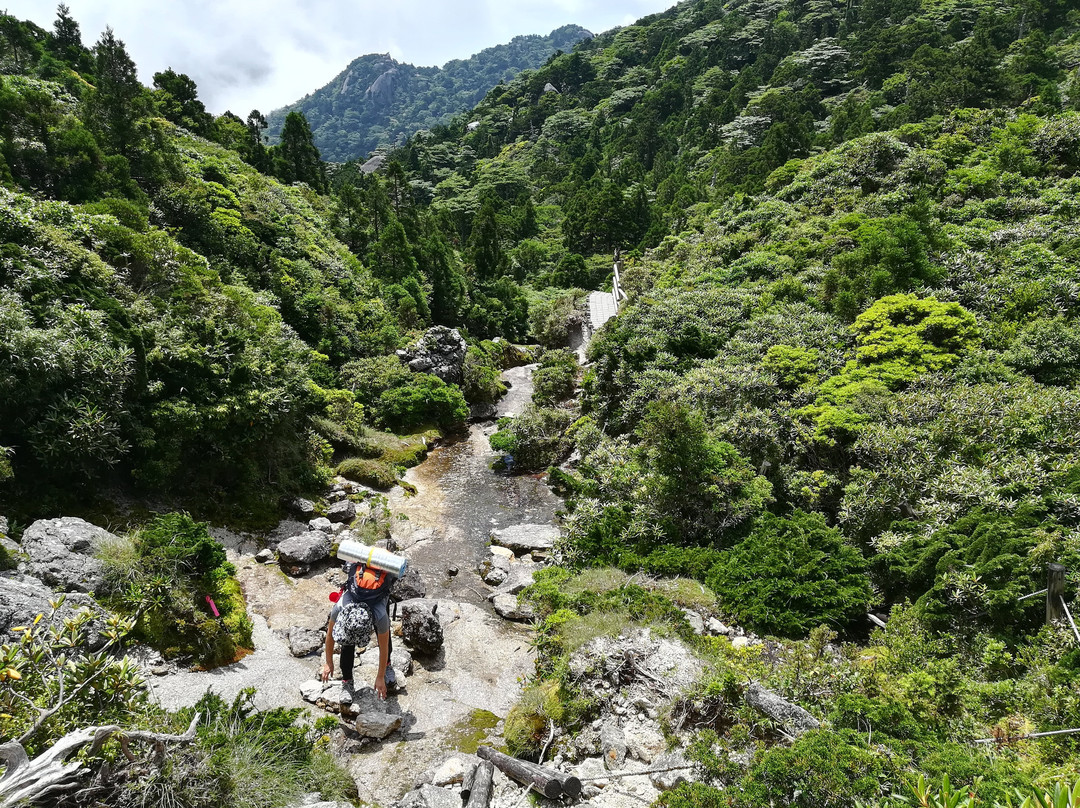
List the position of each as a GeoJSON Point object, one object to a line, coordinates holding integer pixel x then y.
{"type": "Point", "coordinates": [362, 608]}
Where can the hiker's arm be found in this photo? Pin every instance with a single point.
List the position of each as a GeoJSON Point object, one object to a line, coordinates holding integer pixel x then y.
{"type": "Point", "coordinates": [384, 660]}
{"type": "Point", "coordinates": [328, 665]}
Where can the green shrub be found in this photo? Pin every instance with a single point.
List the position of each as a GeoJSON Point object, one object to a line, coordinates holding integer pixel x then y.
{"type": "Point", "coordinates": [1047, 350]}
{"type": "Point", "coordinates": [820, 769]}
{"type": "Point", "coordinates": [551, 318]}
{"type": "Point", "coordinates": [481, 372]}
{"type": "Point", "coordinates": [553, 381]}
{"type": "Point", "coordinates": [923, 333]}
{"type": "Point", "coordinates": [791, 574]}
{"type": "Point", "coordinates": [535, 439]}
{"type": "Point", "coordinates": [165, 572]}
{"type": "Point", "coordinates": [374, 473]}
{"type": "Point", "coordinates": [694, 485]}
{"type": "Point", "coordinates": [793, 367]}
{"type": "Point", "coordinates": [242, 758]}
{"type": "Point", "coordinates": [423, 400]}
{"type": "Point", "coordinates": [890, 718]}
{"type": "Point", "coordinates": [369, 378]}
{"type": "Point", "coordinates": [973, 571]}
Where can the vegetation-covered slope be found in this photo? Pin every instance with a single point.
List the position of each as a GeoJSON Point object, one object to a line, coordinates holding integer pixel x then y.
{"type": "Point", "coordinates": [173, 317]}
{"type": "Point", "coordinates": [378, 101]}
{"type": "Point", "coordinates": [845, 379]}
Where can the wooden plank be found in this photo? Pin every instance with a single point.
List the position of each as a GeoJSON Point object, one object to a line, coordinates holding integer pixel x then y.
{"type": "Point", "coordinates": [1055, 592]}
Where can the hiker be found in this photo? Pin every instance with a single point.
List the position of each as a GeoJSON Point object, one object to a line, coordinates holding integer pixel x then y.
{"type": "Point", "coordinates": [361, 608]}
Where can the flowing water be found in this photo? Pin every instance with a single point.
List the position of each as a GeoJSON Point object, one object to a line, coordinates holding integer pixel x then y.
{"type": "Point", "coordinates": [460, 500]}
{"type": "Point", "coordinates": [475, 677]}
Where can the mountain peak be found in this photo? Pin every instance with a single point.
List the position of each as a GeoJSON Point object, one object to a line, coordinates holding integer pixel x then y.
{"type": "Point", "coordinates": [378, 101]}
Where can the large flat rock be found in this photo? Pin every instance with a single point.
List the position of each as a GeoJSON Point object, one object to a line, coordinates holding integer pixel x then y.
{"type": "Point", "coordinates": [526, 538]}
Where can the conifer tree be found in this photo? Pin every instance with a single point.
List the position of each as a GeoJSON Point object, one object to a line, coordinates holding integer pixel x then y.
{"type": "Point", "coordinates": [297, 159]}
{"type": "Point", "coordinates": [489, 261]}
{"type": "Point", "coordinates": [391, 257]}
{"type": "Point", "coordinates": [118, 100]}
{"type": "Point", "coordinates": [67, 37]}
{"type": "Point", "coordinates": [448, 285]}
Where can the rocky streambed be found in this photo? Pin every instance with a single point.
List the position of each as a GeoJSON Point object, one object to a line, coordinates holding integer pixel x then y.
{"type": "Point", "coordinates": [474, 539]}
{"type": "Point", "coordinates": [453, 699]}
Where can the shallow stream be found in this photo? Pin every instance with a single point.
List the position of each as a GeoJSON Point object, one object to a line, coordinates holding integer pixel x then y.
{"type": "Point", "coordinates": [460, 500]}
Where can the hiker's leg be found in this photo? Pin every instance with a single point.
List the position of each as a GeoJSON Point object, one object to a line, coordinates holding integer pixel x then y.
{"type": "Point", "coordinates": [348, 656]}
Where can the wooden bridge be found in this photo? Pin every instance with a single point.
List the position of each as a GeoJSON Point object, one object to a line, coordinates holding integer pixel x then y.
{"type": "Point", "coordinates": [602, 307]}
{"type": "Point", "coordinates": [605, 305]}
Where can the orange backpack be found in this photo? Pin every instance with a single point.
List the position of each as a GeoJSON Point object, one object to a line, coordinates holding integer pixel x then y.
{"type": "Point", "coordinates": [369, 577]}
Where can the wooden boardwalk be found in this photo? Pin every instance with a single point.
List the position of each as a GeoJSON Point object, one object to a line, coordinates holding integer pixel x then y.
{"type": "Point", "coordinates": [601, 309]}
{"type": "Point", "coordinates": [605, 305]}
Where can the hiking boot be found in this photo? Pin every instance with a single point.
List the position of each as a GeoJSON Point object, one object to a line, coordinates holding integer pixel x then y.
{"type": "Point", "coordinates": [390, 679]}
{"type": "Point", "coordinates": [347, 691]}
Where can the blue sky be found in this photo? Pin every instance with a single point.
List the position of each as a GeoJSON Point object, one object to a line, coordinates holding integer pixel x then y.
{"type": "Point", "coordinates": [263, 54]}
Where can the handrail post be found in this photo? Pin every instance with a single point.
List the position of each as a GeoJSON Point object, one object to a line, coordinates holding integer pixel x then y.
{"type": "Point", "coordinates": [1055, 592]}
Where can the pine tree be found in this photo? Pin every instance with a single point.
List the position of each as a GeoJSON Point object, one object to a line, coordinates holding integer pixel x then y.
{"type": "Point", "coordinates": [391, 257]}
{"type": "Point", "coordinates": [297, 159]}
{"type": "Point", "coordinates": [448, 286]}
{"type": "Point", "coordinates": [257, 153]}
{"type": "Point", "coordinates": [118, 100]}
{"type": "Point", "coordinates": [489, 261]}
{"type": "Point", "coordinates": [67, 37]}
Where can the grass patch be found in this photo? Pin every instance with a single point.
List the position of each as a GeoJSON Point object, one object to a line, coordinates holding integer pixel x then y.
{"type": "Point", "coordinates": [596, 579]}
{"type": "Point", "coordinates": [579, 632]}
{"type": "Point", "coordinates": [686, 592]}
{"type": "Point", "coordinates": [384, 456]}
{"type": "Point", "coordinates": [467, 734]}
{"type": "Point", "coordinates": [529, 723]}
{"type": "Point", "coordinates": [373, 473]}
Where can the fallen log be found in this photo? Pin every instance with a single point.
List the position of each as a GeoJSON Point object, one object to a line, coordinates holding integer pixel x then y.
{"type": "Point", "coordinates": [480, 787]}
{"type": "Point", "coordinates": [467, 782]}
{"type": "Point", "coordinates": [49, 776]}
{"type": "Point", "coordinates": [550, 783]}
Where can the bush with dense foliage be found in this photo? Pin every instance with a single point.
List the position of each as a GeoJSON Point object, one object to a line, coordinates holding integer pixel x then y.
{"type": "Point", "coordinates": [163, 575]}
{"type": "Point", "coordinates": [483, 366]}
{"type": "Point", "coordinates": [535, 439]}
{"type": "Point", "coordinates": [554, 381]}
{"type": "Point", "coordinates": [790, 574]}
{"type": "Point", "coordinates": [422, 401]}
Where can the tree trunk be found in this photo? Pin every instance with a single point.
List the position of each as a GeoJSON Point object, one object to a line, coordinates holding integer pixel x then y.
{"type": "Point", "coordinates": [548, 782]}
{"type": "Point", "coordinates": [480, 787]}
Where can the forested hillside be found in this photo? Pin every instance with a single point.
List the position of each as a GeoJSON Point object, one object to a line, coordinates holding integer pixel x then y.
{"type": "Point", "coordinates": [378, 101]}
{"type": "Point", "coordinates": [846, 376]}
{"type": "Point", "coordinates": [845, 380]}
{"type": "Point", "coordinates": [177, 305]}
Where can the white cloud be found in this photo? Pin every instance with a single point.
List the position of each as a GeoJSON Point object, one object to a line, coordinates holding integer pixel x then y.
{"type": "Point", "coordinates": [263, 54]}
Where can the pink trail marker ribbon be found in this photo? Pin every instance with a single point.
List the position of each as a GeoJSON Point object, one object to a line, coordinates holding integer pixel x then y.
{"type": "Point", "coordinates": [213, 606]}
